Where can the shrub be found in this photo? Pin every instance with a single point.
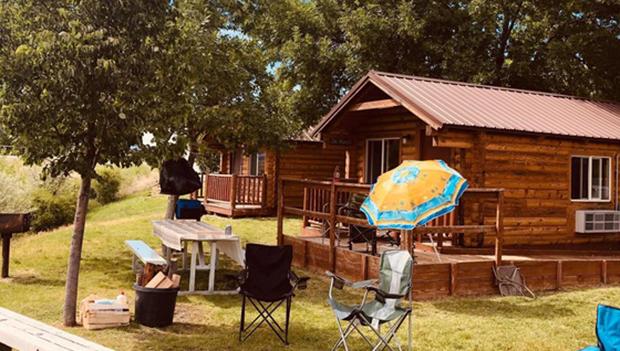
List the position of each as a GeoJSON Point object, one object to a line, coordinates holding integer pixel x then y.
{"type": "Point", "coordinates": [107, 185]}
{"type": "Point", "coordinates": [53, 208]}
{"type": "Point", "coordinates": [16, 196]}
{"type": "Point", "coordinates": [17, 182]}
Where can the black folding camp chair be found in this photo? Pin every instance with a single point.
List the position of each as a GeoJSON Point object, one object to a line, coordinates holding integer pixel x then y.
{"type": "Point", "coordinates": [267, 282]}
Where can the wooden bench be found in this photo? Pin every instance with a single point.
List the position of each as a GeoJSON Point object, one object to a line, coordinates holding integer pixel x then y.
{"type": "Point", "coordinates": [25, 334]}
{"type": "Point", "coordinates": [144, 253]}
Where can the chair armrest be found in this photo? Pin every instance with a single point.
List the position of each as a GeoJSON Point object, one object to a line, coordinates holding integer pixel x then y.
{"type": "Point", "coordinates": [337, 282]}
{"type": "Point", "coordinates": [382, 295]}
{"type": "Point", "coordinates": [363, 284]}
{"type": "Point", "coordinates": [300, 282]}
{"type": "Point", "coordinates": [340, 282]}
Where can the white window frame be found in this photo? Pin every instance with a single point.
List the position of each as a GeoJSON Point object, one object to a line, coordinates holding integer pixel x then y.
{"type": "Point", "coordinates": [590, 198]}
{"type": "Point", "coordinates": [257, 154]}
{"type": "Point", "coordinates": [383, 143]}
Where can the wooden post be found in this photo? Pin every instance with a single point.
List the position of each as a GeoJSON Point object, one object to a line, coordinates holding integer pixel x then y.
{"type": "Point", "coordinates": [233, 192]}
{"type": "Point", "coordinates": [332, 226]}
{"type": "Point", "coordinates": [263, 199]}
{"type": "Point", "coordinates": [280, 211]}
{"type": "Point", "coordinates": [205, 187]}
{"type": "Point", "coordinates": [453, 275]}
{"type": "Point", "coordinates": [558, 283]}
{"type": "Point", "coordinates": [6, 251]}
{"type": "Point", "coordinates": [499, 227]}
{"type": "Point", "coordinates": [604, 271]}
{"type": "Point", "coordinates": [304, 222]}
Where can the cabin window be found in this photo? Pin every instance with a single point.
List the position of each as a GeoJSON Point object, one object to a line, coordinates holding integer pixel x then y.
{"type": "Point", "coordinates": [590, 178]}
{"type": "Point", "coordinates": [381, 156]}
{"type": "Point", "coordinates": [257, 164]}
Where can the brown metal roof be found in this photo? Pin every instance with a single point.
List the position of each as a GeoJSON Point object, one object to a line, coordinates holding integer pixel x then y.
{"type": "Point", "coordinates": [440, 103]}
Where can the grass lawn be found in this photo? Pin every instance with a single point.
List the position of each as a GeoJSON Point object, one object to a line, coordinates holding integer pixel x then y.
{"type": "Point", "coordinates": [563, 321]}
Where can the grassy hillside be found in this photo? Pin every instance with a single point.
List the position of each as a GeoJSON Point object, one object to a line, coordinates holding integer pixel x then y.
{"type": "Point", "coordinates": [562, 321]}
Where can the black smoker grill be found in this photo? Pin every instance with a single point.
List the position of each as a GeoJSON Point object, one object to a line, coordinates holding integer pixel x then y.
{"type": "Point", "coordinates": [11, 223]}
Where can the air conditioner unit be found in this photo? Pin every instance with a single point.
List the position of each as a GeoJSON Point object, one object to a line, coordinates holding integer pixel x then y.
{"type": "Point", "coordinates": [597, 221]}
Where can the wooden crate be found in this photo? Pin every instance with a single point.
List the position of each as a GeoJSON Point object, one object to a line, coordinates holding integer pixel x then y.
{"type": "Point", "coordinates": [100, 316]}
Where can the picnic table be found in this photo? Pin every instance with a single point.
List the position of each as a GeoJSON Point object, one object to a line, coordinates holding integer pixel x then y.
{"type": "Point", "coordinates": [26, 334]}
{"type": "Point", "coordinates": [178, 234]}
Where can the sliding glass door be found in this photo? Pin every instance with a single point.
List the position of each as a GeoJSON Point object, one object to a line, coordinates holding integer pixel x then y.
{"type": "Point", "coordinates": [381, 156]}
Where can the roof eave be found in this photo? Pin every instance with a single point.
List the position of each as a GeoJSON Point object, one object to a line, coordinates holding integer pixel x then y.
{"type": "Point", "coordinates": [374, 78]}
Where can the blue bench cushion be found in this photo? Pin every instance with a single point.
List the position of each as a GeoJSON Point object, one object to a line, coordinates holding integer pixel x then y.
{"type": "Point", "coordinates": [145, 253]}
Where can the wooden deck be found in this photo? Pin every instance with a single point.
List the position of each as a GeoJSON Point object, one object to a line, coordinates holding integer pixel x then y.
{"type": "Point", "coordinates": [235, 196]}
{"type": "Point", "coordinates": [225, 209]}
{"type": "Point", "coordinates": [435, 276]}
{"type": "Point", "coordinates": [461, 274]}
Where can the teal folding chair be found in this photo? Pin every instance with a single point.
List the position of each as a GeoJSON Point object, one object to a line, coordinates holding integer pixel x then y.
{"type": "Point", "coordinates": [607, 329]}
{"type": "Point", "coordinates": [394, 286]}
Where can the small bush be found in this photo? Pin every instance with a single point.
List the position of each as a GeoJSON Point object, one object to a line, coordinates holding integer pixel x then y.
{"type": "Point", "coordinates": [15, 196]}
{"type": "Point", "coordinates": [107, 185]}
{"type": "Point", "coordinates": [53, 209]}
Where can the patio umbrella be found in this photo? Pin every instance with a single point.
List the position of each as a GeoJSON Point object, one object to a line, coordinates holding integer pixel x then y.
{"type": "Point", "coordinates": [413, 194]}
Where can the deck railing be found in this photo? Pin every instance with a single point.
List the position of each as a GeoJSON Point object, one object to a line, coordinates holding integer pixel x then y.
{"type": "Point", "coordinates": [316, 199]}
{"type": "Point", "coordinates": [322, 198]}
{"type": "Point", "coordinates": [236, 189]}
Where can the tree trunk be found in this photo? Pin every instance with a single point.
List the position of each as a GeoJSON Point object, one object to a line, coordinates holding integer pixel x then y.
{"type": "Point", "coordinates": [75, 253]}
{"type": "Point", "coordinates": [172, 201]}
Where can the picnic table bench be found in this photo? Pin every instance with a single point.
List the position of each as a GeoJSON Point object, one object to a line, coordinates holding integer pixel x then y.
{"type": "Point", "coordinates": [26, 334]}
{"type": "Point", "coordinates": [144, 253]}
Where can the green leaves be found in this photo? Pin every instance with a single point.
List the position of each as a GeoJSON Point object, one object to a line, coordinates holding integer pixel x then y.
{"type": "Point", "coordinates": [217, 87]}
{"type": "Point", "coordinates": [77, 78]}
{"type": "Point", "coordinates": [322, 47]}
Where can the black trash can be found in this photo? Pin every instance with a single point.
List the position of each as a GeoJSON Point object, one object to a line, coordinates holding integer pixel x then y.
{"type": "Point", "coordinates": [155, 307]}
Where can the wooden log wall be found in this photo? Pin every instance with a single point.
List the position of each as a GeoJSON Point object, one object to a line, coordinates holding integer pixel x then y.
{"type": "Point", "coordinates": [432, 281]}
{"type": "Point", "coordinates": [308, 161]}
{"type": "Point", "coordinates": [535, 173]}
{"type": "Point", "coordinates": [389, 126]}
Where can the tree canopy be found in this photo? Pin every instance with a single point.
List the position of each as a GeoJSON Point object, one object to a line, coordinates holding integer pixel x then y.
{"type": "Point", "coordinates": [78, 81]}
{"type": "Point", "coordinates": [321, 47]}
{"type": "Point", "coordinates": [223, 94]}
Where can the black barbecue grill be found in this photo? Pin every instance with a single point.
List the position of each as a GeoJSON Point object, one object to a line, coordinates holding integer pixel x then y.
{"type": "Point", "coordinates": [11, 223]}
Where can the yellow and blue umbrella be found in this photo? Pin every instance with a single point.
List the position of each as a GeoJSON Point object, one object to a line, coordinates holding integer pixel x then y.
{"type": "Point", "coordinates": [413, 194]}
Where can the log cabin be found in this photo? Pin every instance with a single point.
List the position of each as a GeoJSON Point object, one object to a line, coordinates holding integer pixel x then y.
{"type": "Point", "coordinates": [555, 156]}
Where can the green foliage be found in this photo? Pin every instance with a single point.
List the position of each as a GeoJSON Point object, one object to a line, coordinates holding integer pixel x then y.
{"type": "Point", "coordinates": [220, 85]}
{"type": "Point", "coordinates": [14, 197]}
{"type": "Point", "coordinates": [107, 185]}
{"type": "Point", "coordinates": [17, 184]}
{"type": "Point", "coordinates": [54, 204]}
{"type": "Point", "coordinates": [78, 79]}
{"type": "Point", "coordinates": [320, 48]}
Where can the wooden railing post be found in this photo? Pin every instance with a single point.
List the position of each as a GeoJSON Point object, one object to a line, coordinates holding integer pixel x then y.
{"type": "Point", "coordinates": [305, 208]}
{"type": "Point", "coordinates": [332, 226]}
{"type": "Point", "coordinates": [233, 191]}
{"type": "Point", "coordinates": [263, 199]}
{"type": "Point", "coordinates": [205, 187]}
{"type": "Point", "coordinates": [280, 211]}
{"type": "Point", "coordinates": [499, 227]}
